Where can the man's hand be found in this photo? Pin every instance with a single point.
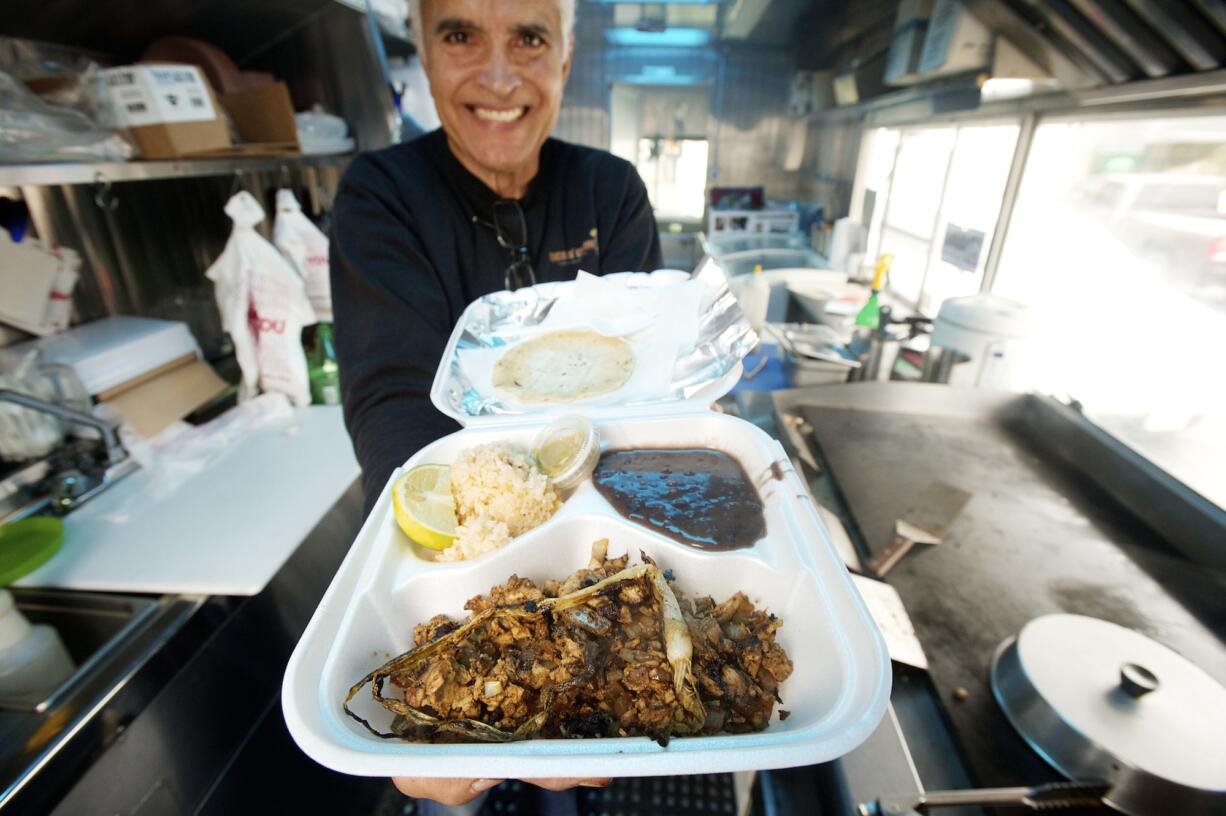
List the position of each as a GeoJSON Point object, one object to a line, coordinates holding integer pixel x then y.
{"type": "Point", "coordinates": [459, 791]}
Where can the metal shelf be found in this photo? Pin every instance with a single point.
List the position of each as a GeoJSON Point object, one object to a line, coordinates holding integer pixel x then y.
{"type": "Point", "coordinates": [18, 175]}
{"type": "Point", "coordinates": [396, 34]}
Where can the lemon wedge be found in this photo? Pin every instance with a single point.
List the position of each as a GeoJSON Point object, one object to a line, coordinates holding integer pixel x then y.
{"type": "Point", "coordinates": [424, 507]}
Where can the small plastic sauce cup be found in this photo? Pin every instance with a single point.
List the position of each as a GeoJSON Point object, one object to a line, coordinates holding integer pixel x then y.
{"type": "Point", "coordinates": [567, 451]}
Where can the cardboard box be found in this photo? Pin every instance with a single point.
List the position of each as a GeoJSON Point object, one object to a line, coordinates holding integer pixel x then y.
{"type": "Point", "coordinates": [149, 369]}
{"type": "Point", "coordinates": [171, 112]}
{"type": "Point", "coordinates": [264, 119]}
{"type": "Point", "coordinates": [956, 41]}
{"type": "Point", "coordinates": [181, 139]}
{"type": "Point", "coordinates": [168, 110]}
{"type": "Point", "coordinates": [37, 283]}
{"type": "Point", "coordinates": [907, 42]}
{"type": "Point", "coordinates": [159, 398]}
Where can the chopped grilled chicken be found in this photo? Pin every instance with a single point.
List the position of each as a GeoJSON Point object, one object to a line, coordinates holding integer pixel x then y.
{"type": "Point", "coordinates": [608, 651]}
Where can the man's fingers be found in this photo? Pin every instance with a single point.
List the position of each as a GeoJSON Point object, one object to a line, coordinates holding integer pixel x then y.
{"type": "Point", "coordinates": [443, 791]}
{"type": "Point", "coordinates": [459, 791]}
{"type": "Point", "coordinates": [563, 783]}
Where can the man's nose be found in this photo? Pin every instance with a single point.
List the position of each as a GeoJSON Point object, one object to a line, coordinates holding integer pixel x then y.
{"type": "Point", "coordinates": [499, 73]}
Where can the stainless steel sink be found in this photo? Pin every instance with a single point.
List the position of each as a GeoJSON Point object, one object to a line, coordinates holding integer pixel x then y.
{"type": "Point", "coordinates": [90, 625]}
{"type": "Point", "coordinates": [110, 638]}
{"type": "Point", "coordinates": [21, 489]}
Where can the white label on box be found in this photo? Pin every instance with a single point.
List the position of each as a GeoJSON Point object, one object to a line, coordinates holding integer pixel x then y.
{"type": "Point", "coordinates": [157, 94]}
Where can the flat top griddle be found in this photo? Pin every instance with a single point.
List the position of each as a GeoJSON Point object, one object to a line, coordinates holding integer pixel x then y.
{"type": "Point", "coordinates": [1035, 538]}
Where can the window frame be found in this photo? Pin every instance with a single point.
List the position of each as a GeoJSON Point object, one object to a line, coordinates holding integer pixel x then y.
{"type": "Point", "coordinates": [1169, 109]}
{"type": "Point", "coordinates": [958, 123]}
{"type": "Point", "coordinates": [1193, 523]}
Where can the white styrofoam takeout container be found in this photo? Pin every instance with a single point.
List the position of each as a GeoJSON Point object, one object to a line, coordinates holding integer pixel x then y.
{"type": "Point", "coordinates": [386, 585]}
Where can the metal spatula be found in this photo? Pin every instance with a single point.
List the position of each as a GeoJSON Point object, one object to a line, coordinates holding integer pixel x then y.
{"type": "Point", "coordinates": [925, 522]}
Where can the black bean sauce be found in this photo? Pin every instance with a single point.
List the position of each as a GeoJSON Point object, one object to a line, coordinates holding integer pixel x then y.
{"type": "Point", "coordinates": [699, 497]}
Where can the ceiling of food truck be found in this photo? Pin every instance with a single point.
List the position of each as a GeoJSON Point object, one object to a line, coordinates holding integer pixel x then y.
{"type": "Point", "coordinates": [1090, 42]}
{"type": "Point", "coordinates": [1083, 43]}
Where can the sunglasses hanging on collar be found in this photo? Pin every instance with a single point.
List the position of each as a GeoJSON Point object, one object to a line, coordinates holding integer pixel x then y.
{"type": "Point", "coordinates": [511, 231]}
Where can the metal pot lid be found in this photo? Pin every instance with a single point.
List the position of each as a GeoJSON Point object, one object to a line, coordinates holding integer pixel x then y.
{"type": "Point", "coordinates": [1102, 702]}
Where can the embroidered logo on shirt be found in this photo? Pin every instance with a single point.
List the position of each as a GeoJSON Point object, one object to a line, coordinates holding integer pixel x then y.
{"type": "Point", "coordinates": [570, 257]}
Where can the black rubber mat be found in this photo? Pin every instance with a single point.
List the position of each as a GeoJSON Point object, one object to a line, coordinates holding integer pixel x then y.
{"type": "Point", "coordinates": [699, 795]}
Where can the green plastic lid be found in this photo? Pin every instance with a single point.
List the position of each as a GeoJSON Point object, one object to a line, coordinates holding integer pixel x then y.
{"type": "Point", "coordinates": [28, 544]}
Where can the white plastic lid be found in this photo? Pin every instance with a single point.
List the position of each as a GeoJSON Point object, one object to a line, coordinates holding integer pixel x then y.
{"type": "Point", "coordinates": [13, 624]}
{"type": "Point", "coordinates": [988, 314]}
{"type": "Point", "coordinates": [1078, 669]}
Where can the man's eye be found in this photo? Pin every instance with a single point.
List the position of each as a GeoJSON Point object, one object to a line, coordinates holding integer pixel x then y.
{"type": "Point", "coordinates": [456, 37]}
{"type": "Point", "coordinates": [531, 40]}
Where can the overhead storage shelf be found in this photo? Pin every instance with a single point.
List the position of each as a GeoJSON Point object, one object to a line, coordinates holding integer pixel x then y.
{"type": "Point", "coordinates": [18, 175]}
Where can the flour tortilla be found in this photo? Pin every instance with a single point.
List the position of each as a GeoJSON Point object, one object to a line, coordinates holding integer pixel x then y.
{"type": "Point", "coordinates": [564, 366]}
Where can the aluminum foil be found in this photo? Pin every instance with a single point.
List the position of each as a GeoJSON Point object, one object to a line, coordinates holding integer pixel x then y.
{"type": "Point", "coordinates": [723, 339]}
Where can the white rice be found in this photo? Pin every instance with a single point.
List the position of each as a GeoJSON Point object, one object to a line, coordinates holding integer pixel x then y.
{"type": "Point", "coordinates": [499, 494]}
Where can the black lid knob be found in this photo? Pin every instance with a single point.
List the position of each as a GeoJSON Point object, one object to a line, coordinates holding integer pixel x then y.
{"type": "Point", "coordinates": [1137, 681]}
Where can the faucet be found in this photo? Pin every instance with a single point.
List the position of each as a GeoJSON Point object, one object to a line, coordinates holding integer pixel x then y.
{"type": "Point", "coordinates": [71, 487]}
{"type": "Point", "coordinates": [114, 450]}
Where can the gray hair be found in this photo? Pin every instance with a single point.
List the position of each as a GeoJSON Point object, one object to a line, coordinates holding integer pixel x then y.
{"type": "Point", "coordinates": [567, 7]}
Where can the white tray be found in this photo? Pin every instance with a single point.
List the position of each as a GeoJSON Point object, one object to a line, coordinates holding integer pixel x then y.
{"type": "Point", "coordinates": [836, 694]}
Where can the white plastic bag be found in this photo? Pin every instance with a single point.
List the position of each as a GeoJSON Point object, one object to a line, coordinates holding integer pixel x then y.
{"type": "Point", "coordinates": [263, 307]}
{"type": "Point", "coordinates": [180, 452]}
{"type": "Point", "coordinates": [31, 130]}
{"type": "Point", "coordinates": [24, 432]}
{"type": "Point", "coordinates": [307, 249]}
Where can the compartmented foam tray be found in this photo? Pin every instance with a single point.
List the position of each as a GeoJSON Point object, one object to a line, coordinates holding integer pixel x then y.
{"type": "Point", "coordinates": [836, 694]}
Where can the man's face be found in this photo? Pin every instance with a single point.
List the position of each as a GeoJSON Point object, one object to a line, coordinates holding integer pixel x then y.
{"type": "Point", "coordinates": [496, 69]}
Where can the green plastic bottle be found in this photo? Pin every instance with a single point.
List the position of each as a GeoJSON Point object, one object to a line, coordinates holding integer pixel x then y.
{"type": "Point", "coordinates": [322, 369]}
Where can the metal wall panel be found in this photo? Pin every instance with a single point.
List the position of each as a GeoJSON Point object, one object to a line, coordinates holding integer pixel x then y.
{"type": "Point", "coordinates": [331, 61]}
{"type": "Point", "coordinates": [752, 119]}
{"type": "Point", "coordinates": [748, 85]}
{"type": "Point", "coordinates": [148, 255]}
{"type": "Point", "coordinates": [1113, 41]}
{"type": "Point", "coordinates": [585, 106]}
{"type": "Point", "coordinates": [832, 151]}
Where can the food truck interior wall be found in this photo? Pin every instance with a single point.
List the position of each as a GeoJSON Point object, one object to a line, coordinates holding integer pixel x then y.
{"type": "Point", "coordinates": [148, 255]}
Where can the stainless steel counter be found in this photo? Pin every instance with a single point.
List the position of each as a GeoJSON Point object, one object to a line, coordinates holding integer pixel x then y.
{"type": "Point", "coordinates": [185, 716]}
{"type": "Point", "coordinates": [913, 748]}
{"type": "Point", "coordinates": [167, 718]}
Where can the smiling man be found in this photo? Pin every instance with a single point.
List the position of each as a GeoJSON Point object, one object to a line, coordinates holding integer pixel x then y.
{"type": "Point", "coordinates": [487, 202]}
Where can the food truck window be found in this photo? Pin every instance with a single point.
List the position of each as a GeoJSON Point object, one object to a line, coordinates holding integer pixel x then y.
{"type": "Point", "coordinates": [675, 172]}
{"type": "Point", "coordinates": [878, 150]}
{"type": "Point", "coordinates": [913, 205]}
{"type": "Point", "coordinates": [662, 131]}
{"type": "Point", "coordinates": [1119, 236]}
{"type": "Point", "coordinates": [936, 194]}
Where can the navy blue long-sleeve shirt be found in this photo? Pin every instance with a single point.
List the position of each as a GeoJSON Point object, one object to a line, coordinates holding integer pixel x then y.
{"type": "Point", "coordinates": [407, 258]}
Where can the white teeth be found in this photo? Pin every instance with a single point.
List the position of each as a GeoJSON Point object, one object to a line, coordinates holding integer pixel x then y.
{"type": "Point", "coordinates": [499, 116]}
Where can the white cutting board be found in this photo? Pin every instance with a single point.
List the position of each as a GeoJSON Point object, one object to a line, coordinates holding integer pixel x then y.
{"type": "Point", "coordinates": [225, 531]}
